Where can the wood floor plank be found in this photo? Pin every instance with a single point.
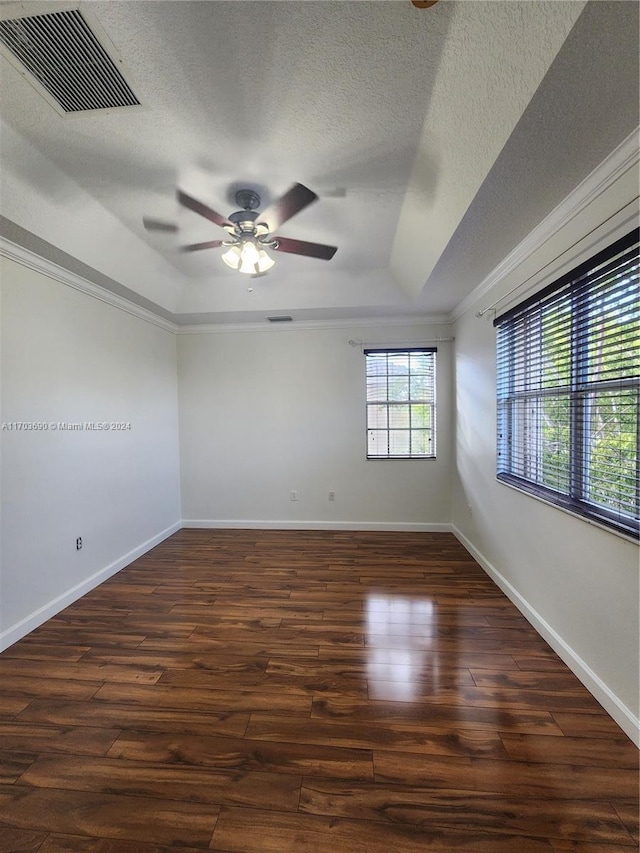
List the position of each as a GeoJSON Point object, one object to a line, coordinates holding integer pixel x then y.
{"type": "Point", "coordinates": [85, 671]}
{"type": "Point", "coordinates": [424, 807]}
{"type": "Point", "coordinates": [627, 811]}
{"type": "Point", "coordinates": [590, 752]}
{"type": "Point", "coordinates": [446, 660]}
{"type": "Point", "coordinates": [453, 644]}
{"type": "Point", "coordinates": [484, 697]}
{"type": "Point", "coordinates": [265, 790]}
{"type": "Point", "coordinates": [434, 717]}
{"type": "Point", "coordinates": [268, 682]}
{"type": "Point", "coordinates": [404, 737]}
{"type": "Point", "coordinates": [539, 663]}
{"type": "Point", "coordinates": [227, 664]}
{"type": "Point", "coordinates": [360, 670]}
{"type": "Point", "coordinates": [10, 706]}
{"type": "Point", "coordinates": [566, 846]}
{"type": "Point", "coordinates": [140, 718]}
{"type": "Point", "coordinates": [391, 617]}
{"type": "Point", "coordinates": [306, 632]}
{"type": "Point", "coordinates": [14, 764]}
{"type": "Point", "coordinates": [61, 635]}
{"type": "Point", "coordinates": [249, 691]}
{"type": "Point", "coordinates": [564, 681]}
{"type": "Point", "coordinates": [240, 620]}
{"type": "Point", "coordinates": [256, 647]}
{"type": "Point", "coordinates": [108, 815]}
{"type": "Point", "coordinates": [56, 843]}
{"type": "Point", "coordinates": [116, 586]}
{"type": "Point", "coordinates": [20, 840]}
{"type": "Point", "coordinates": [242, 755]}
{"type": "Point", "coordinates": [513, 778]}
{"type": "Point", "coordinates": [24, 686]}
{"type": "Point", "coordinates": [28, 737]}
{"type": "Point", "coordinates": [198, 698]}
{"type": "Point", "coordinates": [24, 651]}
{"type": "Point", "coordinates": [253, 831]}
{"type": "Point", "coordinates": [598, 724]}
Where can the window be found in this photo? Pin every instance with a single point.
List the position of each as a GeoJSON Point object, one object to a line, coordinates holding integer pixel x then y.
{"type": "Point", "coordinates": [401, 403]}
{"type": "Point", "coordinates": [568, 374]}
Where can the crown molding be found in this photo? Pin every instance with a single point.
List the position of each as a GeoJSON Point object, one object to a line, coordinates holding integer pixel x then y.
{"type": "Point", "coordinates": [29, 259]}
{"type": "Point", "coordinates": [619, 161]}
{"type": "Point", "coordinates": [309, 325]}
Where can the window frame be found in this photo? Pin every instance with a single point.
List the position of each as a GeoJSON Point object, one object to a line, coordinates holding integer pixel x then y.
{"type": "Point", "coordinates": [429, 400]}
{"type": "Point", "coordinates": [581, 287]}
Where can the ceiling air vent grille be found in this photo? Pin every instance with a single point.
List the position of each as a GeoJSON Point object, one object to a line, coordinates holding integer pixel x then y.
{"type": "Point", "coordinates": [61, 51]}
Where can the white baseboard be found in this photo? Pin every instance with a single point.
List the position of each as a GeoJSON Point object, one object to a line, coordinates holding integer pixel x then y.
{"type": "Point", "coordinates": [614, 706]}
{"type": "Point", "coordinates": [29, 623]}
{"type": "Point", "coordinates": [252, 524]}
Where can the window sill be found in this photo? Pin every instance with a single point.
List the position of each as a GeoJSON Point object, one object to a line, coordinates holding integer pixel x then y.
{"type": "Point", "coordinates": [401, 458]}
{"type": "Point", "coordinates": [630, 537]}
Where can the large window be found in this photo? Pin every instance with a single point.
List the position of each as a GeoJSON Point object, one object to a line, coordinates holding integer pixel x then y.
{"type": "Point", "coordinates": [401, 403]}
{"type": "Point", "coordinates": [568, 365]}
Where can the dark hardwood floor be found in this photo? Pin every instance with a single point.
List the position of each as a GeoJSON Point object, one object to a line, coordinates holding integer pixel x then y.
{"type": "Point", "coordinates": [304, 692]}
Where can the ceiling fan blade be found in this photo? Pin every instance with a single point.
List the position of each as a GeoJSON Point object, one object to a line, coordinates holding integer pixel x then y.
{"type": "Point", "coordinates": [292, 202]}
{"type": "Point", "coordinates": [424, 4]}
{"type": "Point", "coordinates": [301, 247]}
{"type": "Point", "coordinates": [195, 247]}
{"type": "Point", "coordinates": [158, 225]}
{"type": "Point", "coordinates": [198, 207]}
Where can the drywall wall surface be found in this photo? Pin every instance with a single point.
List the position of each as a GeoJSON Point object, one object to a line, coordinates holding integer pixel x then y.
{"type": "Point", "coordinates": [70, 359]}
{"type": "Point", "coordinates": [577, 582]}
{"type": "Point", "coordinates": [264, 413]}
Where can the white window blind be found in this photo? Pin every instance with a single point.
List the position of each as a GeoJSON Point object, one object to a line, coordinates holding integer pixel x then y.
{"type": "Point", "coordinates": [401, 401]}
{"type": "Point", "coordinates": [568, 376]}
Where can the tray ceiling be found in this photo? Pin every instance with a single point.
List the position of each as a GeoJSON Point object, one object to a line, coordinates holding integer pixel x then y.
{"type": "Point", "coordinates": [436, 139]}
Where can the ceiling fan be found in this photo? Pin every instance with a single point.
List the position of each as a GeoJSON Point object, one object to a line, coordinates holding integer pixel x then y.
{"type": "Point", "coordinates": [250, 232]}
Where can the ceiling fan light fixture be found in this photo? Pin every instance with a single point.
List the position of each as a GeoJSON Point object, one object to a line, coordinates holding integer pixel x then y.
{"type": "Point", "coordinates": [232, 257]}
{"type": "Point", "coordinates": [248, 257]}
{"type": "Point", "coordinates": [264, 261]}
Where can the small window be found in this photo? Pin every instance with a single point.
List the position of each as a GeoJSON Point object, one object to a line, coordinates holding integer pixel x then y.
{"type": "Point", "coordinates": [401, 403]}
{"type": "Point", "coordinates": [568, 374]}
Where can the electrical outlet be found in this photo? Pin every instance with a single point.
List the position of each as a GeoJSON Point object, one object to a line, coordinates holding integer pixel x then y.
{"type": "Point", "coordinates": [293, 495]}
{"type": "Point", "coordinates": [79, 543]}
{"type": "Point", "coordinates": [332, 496]}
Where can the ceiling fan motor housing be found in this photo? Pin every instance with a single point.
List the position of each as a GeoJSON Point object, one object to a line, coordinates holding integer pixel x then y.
{"type": "Point", "coordinates": [248, 199]}
{"type": "Point", "coordinates": [244, 220]}
{"type": "Point", "coordinates": [241, 216]}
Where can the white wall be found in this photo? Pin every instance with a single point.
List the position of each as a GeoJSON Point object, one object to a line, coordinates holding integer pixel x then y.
{"type": "Point", "coordinates": [576, 582]}
{"type": "Point", "coordinates": [262, 413]}
{"type": "Point", "coordinates": [69, 357]}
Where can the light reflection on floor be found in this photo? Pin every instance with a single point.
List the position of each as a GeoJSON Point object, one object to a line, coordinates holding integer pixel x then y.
{"type": "Point", "coordinates": [402, 659]}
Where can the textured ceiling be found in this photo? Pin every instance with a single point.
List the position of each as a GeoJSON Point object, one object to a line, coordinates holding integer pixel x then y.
{"type": "Point", "coordinates": [417, 128]}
